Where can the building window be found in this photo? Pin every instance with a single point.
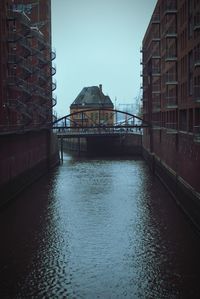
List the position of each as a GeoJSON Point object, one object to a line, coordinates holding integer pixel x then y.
{"type": "Point", "coordinates": [190, 120]}
{"type": "Point", "coordinates": [183, 120]}
{"type": "Point", "coordinates": [190, 73]}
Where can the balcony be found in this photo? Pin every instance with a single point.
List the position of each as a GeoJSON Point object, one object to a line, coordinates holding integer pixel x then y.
{"type": "Point", "coordinates": [14, 14]}
{"type": "Point", "coordinates": [19, 84]}
{"type": "Point", "coordinates": [196, 133]}
{"type": "Point", "coordinates": [20, 107]}
{"type": "Point", "coordinates": [54, 101]}
{"type": "Point", "coordinates": [197, 93]}
{"type": "Point", "coordinates": [39, 36]}
{"type": "Point", "coordinates": [14, 37]}
{"type": "Point", "coordinates": [171, 102]}
{"type": "Point", "coordinates": [40, 92]}
{"type": "Point", "coordinates": [171, 79]}
{"type": "Point", "coordinates": [26, 45]}
{"type": "Point", "coordinates": [42, 77]}
{"type": "Point", "coordinates": [53, 70]}
{"type": "Point", "coordinates": [53, 55]}
{"type": "Point", "coordinates": [22, 62]}
{"type": "Point", "coordinates": [171, 128]}
{"type": "Point", "coordinates": [43, 111]}
{"type": "Point", "coordinates": [53, 85]}
{"type": "Point", "coordinates": [170, 7]}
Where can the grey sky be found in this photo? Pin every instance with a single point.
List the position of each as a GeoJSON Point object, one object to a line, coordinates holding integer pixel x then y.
{"type": "Point", "coordinates": [98, 42]}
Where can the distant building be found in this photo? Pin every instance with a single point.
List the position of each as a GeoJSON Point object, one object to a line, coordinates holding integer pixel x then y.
{"type": "Point", "coordinates": [171, 96]}
{"type": "Point", "coordinates": [89, 101]}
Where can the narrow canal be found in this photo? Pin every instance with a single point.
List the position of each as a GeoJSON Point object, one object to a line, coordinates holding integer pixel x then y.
{"type": "Point", "coordinates": [97, 229]}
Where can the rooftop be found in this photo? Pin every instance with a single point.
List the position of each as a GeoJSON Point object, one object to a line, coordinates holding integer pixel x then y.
{"type": "Point", "coordinates": [92, 97]}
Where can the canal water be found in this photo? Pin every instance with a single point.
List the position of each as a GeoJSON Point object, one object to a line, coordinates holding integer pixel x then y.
{"type": "Point", "coordinates": [97, 228]}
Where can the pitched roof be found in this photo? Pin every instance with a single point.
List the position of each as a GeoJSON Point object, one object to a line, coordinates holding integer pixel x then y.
{"type": "Point", "coordinates": [92, 97]}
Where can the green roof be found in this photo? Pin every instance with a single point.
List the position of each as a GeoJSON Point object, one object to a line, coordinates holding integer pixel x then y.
{"type": "Point", "coordinates": [91, 97]}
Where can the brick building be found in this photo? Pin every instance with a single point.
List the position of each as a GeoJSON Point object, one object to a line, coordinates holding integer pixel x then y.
{"type": "Point", "coordinates": [90, 100]}
{"type": "Point", "coordinates": [26, 64]}
{"type": "Point", "coordinates": [171, 97]}
{"type": "Point", "coordinates": [27, 145]}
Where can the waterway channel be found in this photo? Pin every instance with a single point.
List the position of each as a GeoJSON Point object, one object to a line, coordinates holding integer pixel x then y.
{"type": "Point", "coordinates": [98, 228]}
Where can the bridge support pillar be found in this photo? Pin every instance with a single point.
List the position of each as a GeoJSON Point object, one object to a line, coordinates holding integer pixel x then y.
{"type": "Point", "coordinates": [61, 149]}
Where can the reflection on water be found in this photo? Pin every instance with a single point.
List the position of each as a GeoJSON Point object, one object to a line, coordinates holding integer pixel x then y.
{"type": "Point", "coordinates": [97, 229]}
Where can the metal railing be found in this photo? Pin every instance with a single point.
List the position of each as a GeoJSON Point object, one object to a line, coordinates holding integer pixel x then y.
{"type": "Point", "coordinates": [18, 15]}
{"type": "Point", "coordinates": [20, 84]}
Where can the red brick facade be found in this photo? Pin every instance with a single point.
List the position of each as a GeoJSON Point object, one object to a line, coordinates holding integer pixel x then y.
{"type": "Point", "coordinates": [26, 84]}
{"type": "Point", "coordinates": [171, 88]}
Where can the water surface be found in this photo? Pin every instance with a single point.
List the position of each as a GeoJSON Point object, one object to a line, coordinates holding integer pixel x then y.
{"type": "Point", "coordinates": [98, 228]}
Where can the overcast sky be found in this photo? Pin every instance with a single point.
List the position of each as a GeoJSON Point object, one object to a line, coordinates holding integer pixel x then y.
{"type": "Point", "coordinates": [98, 42]}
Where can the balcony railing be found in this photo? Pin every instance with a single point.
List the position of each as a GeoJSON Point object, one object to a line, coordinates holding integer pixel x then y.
{"type": "Point", "coordinates": [36, 33]}
{"type": "Point", "coordinates": [54, 101]}
{"type": "Point", "coordinates": [53, 55]}
{"type": "Point", "coordinates": [22, 62]}
{"type": "Point", "coordinates": [53, 85]}
{"type": "Point", "coordinates": [14, 37]}
{"type": "Point", "coordinates": [20, 16]}
{"type": "Point", "coordinates": [25, 44]}
{"type": "Point", "coordinates": [20, 84]}
{"type": "Point", "coordinates": [53, 70]}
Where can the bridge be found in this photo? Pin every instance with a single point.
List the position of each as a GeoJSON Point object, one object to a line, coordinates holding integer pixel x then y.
{"type": "Point", "coordinates": [98, 122]}
{"type": "Point", "coordinates": [100, 128]}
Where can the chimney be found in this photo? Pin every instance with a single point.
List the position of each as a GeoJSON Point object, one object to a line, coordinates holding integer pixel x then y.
{"type": "Point", "coordinates": [100, 87]}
